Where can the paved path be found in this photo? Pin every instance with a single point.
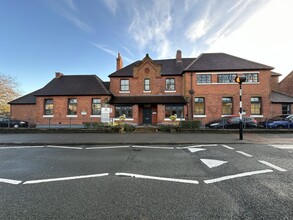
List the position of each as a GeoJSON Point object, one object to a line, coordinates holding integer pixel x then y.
{"type": "Point", "coordinates": [143, 138]}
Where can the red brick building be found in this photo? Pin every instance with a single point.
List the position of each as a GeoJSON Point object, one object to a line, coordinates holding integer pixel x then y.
{"type": "Point", "coordinates": [150, 91]}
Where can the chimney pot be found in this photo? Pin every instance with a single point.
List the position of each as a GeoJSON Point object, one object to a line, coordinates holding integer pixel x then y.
{"type": "Point", "coordinates": [179, 56]}
{"type": "Point", "coordinates": [58, 74]}
{"type": "Point", "coordinates": [119, 62]}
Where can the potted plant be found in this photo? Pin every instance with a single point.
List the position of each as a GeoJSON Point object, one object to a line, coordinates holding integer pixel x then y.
{"type": "Point", "coordinates": [173, 119]}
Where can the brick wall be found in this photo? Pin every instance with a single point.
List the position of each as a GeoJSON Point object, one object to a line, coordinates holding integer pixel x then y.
{"type": "Point", "coordinates": [60, 110]}
{"type": "Point", "coordinates": [24, 112]}
{"type": "Point", "coordinates": [286, 85]}
{"type": "Point", "coordinates": [214, 92]}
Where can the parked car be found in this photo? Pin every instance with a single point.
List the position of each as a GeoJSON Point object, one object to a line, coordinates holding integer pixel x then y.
{"type": "Point", "coordinates": [12, 123]}
{"type": "Point", "coordinates": [279, 121]}
{"type": "Point", "coordinates": [232, 122]}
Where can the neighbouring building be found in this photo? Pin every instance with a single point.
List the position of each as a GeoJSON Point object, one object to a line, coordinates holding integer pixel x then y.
{"type": "Point", "coordinates": [150, 91]}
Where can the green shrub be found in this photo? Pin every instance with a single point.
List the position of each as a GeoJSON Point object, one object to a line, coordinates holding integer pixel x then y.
{"type": "Point", "coordinates": [190, 125]}
{"type": "Point", "coordinates": [95, 124]}
{"type": "Point", "coordinates": [164, 128]}
{"type": "Point", "coordinates": [129, 127]}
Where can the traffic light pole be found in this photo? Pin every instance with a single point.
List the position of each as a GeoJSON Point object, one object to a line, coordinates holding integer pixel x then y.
{"type": "Point", "coordinates": [240, 80]}
{"type": "Point", "coordinates": [240, 112]}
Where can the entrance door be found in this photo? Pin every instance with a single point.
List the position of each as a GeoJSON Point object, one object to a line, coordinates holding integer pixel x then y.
{"type": "Point", "coordinates": [147, 116]}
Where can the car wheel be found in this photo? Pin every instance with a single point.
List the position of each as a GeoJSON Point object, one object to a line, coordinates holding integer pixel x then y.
{"type": "Point", "coordinates": [16, 126]}
{"type": "Point", "coordinates": [279, 126]}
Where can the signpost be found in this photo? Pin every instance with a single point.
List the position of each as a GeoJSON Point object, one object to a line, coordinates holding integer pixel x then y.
{"type": "Point", "coordinates": [240, 80]}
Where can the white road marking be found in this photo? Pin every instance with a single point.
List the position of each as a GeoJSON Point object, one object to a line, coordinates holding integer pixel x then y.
{"type": "Point", "coordinates": [14, 182]}
{"type": "Point", "coordinates": [195, 146]}
{"type": "Point", "coordinates": [193, 150]}
{"type": "Point", "coordinates": [157, 178]}
{"type": "Point", "coordinates": [109, 147]}
{"type": "Point", "coordinates": [283, 146]}
{"type": "Point", "coordinates": [213, 163]}
{"type": "Point", "coordinates": [223, 178]}
{"type": "Point", "coordinates": [150, 147]}
{"type": "Point", "coordinates": [245, 154]}
{"type": "Point", "coordinates": [64, 147]}
{"type": "Point", "coordinates": [228, 147]}
{"type": "Point", "coordinates": [272, 165]}
{"type": "Point", "coordinates": [19, 147]}
{"type": "Point", "coordinates": [65, 178]}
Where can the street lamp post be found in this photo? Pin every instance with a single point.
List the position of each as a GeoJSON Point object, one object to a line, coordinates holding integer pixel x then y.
{"type": "Point", "coordinates": [240, 80]}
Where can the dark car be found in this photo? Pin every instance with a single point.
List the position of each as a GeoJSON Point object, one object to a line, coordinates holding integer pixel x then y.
{"type": "Point", "coordinates": [12, 123]}
{"type": "Point", "coordinates": [232, 122]}
{"type": "Point", "coordinates": [279, 121]}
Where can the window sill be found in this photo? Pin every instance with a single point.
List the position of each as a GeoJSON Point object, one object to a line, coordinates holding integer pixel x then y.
{"type": "Point", "coordinates": [95, 116]}
{"type": "Point", "coordinates": [256, 116]}
{"type": "Point", "coordinates": [199, 116]}
{"type": "Point", "coordinates": [178, 119]}
{"type": "Point", "coordinates": [48, 116]}
{"type": "Point", "coordinates": [124, 92]}
{"type": "Point", "coordinates": [147, 91]}
{"type": "Point", "coordinates": [170, 91]}
{"type": "Point", "coordinates": [127, 119]}
{"type": "Point", "coordinates": [71, 116]}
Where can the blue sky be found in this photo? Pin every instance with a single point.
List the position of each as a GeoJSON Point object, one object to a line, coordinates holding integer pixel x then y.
{"type": "Point", "coordinates": [41, 37]}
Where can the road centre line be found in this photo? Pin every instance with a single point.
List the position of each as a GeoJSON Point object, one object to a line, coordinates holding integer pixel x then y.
{"type": "Point", "coordinates": [228, 147]}
{"type": "Point", "coordinates": [110, 147]}
{"type": "Point", "coordinates": [19, 147]}
{"type": "Point", "coordinates": [272, 165]}
{"type": "Point", "coordinates": [245, 154]}
{"type": "Point", "coordinates": [157, 178]}
{"type": "Point", "coordinates": [64, 147]}
{"type": "Point", "coordinates": [65, 178]}
{"type": "Point", "coordinates": [14, 182]}
{"type": "Point", "coordinates": [223, 178]}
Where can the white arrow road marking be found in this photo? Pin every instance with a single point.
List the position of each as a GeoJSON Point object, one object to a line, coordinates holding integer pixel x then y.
{"type": "Point", "coordinates": [14, 182]}
{"type": "Point", "coordinates": [272, 165]}
{"type": "Point", "coordinates": [236, 176]}
{"type": "Point", "coordinates": [109, 147]}
{"type": "Point", "coordinates": [19, 147]}
{"type": "Point", "coordinates": [65, 178]}
{"type": "Point", "coordinates": [213, 163]}
{"type": "Point", "coordinates": [64, 147]}
{"type": "Point", "coordinates": [195, 146]}
{"type": "Point", "coordinates": [193, 150]}
{"type": "Point", "coordinates": [283, 146]}
{"type": "Point", "coordinates": [245, 154]}
{"type": "Point", "coordinates": [157, 178]}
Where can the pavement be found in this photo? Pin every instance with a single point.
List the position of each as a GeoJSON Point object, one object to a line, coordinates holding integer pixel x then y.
{"type": "Point", "coordinates": [143, 138]}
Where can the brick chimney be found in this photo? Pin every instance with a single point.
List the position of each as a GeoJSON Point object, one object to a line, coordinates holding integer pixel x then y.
{"type": "Point", "coordinates": [119, 62]}
{"type": "Point", "coordinates": [58, 74]}
{"type": "Point", "coordinates": [179, 56]}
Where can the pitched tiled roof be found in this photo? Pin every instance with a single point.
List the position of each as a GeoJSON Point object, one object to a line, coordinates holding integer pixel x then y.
{"type": "Point", "coordinates": [169, 67]}
{"type": "Point", "coordinates": [29, 99]}
{"type": "Point", "coordinates": [205, 62]}
{"type": "Point", "coordinates": [224, 62]}
{"type": "Point", "coordinates": [277, 97]}
{"type": "Point", "coordinates": [74, 85]}
{"type": "Point", "coordinates": [160, 99]}
{"type": "Point", "coordinates": [275, 74]}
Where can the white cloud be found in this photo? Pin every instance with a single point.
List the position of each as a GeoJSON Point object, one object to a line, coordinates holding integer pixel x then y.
{"type": "Point", "coordinates": [150, 27]}
{"type": "Point", "coordinates": [266, 37]}
{"type": "Point", "coordinates": [111, 52]}
{"type": "Point", "coordinates": [198, 30]}
{"type": "Point", "coordinates": [112, 5]}
{"type": "Point", "coordinates": [71, 5]}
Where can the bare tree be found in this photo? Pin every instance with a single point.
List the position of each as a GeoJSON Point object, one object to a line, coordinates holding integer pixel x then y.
{"type": "Point", "coordinates": [9, 90]}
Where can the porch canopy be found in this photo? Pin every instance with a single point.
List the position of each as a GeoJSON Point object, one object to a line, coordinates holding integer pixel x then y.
{"type": "Point", "coordinates": [158, 99]}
